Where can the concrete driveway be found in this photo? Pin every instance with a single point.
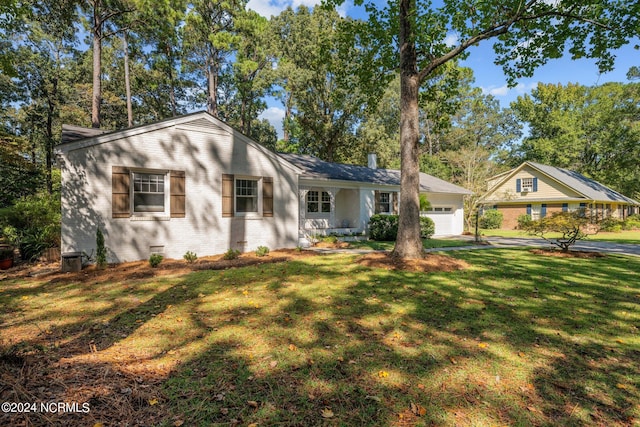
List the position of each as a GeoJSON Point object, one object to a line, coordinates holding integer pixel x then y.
{"type": "Point", "coordinates": [582, 245]}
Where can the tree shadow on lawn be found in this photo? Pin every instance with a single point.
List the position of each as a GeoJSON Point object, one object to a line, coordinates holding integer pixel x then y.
{"type": "Point", "coordinates": [513, 340]}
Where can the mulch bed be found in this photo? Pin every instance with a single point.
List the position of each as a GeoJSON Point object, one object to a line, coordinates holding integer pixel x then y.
{"type": "Point", "coordinates": [142, 269]}
{"type": "Point", "coordinates": [571, 254]}
{"type": "Point", "coordinates": [431, 263]}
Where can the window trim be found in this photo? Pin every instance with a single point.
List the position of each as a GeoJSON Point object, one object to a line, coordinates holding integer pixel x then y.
{"type": "Point", "coordinates": [321, 202]}
{"type": "Point", "coordinates": [527, 188]}
{"type": "Point", "coordinates": [382, 203]}
{"type": "Point", "coordinates": [258, 196]}
{"type": "Point", "coordinates": [166, 193]}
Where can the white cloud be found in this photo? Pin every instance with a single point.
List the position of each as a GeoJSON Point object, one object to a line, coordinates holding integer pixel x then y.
{"type": "Point", "coordinates": [451, 40]}
{"type": "Point", "coordinates": [501, 91]}
{"type": "Point", "coordinates": [496, 91]}
{"type": "Point", "coordinates": [274, 115]}
{"type": "Point", "coordinates": [308, 3]}
{"type": "Point", "coordinates": [268, 8]}
{"type": "Point", "coordinates": [344, 8]}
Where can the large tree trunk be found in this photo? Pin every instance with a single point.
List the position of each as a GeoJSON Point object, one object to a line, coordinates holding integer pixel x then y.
{"type": "Point", "coordinates": [97, 64]}
{"type": "Point", "coordinates": [212, 90]}
{"type": "Point", "coordinates": [172, 90]}
{"type": "Point", "coordinates": [127, 80]}
{"type": "Point", "coordinates": [287, 117]}
{"type": "Point", "coordinates": [408, 242]}
{"type": "Point", "coordinates": [49, 143]}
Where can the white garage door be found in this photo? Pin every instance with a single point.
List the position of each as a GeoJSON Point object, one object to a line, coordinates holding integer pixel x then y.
{"type": "Point", "coordinates": [444, 220]}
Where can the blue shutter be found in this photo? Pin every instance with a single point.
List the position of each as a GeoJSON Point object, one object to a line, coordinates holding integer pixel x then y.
{"type": "Point", "coordinates": [535, 184]}
{"type": "Point", "coordinates": [543, 210]}
{"type": "Point", "coordinates": [518, 185]}
{"type": "Point", "coordinates": [565, 207]}
{"type": "Point", "coordinates": [529, 210]}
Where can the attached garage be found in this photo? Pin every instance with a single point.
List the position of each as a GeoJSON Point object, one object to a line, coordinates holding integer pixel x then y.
{"type": "Point", "coordinates": [446, 211]}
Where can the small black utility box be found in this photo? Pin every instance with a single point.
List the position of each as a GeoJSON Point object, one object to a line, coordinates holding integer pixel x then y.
{"type": "Point", "coordinates": [71, 262]}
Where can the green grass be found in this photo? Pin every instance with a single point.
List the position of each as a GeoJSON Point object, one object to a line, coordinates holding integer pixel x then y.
{"type": "Point", "coordinates": [625, 237]}
{"type": "Point", "coordinates": [516, 339]}
{"type": "Point", "coordinates": [427, 243]}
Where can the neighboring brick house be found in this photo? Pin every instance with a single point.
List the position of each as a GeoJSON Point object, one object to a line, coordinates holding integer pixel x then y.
{"type": "Point", "coordinates": [539, 190]}
{"type": "Point", "coordinates": [192, 183]}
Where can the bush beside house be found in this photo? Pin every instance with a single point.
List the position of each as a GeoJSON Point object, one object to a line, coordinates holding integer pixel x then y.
{"type": "Point", "coordinates": [385, 227]}
{"type": "Point", "coordinates": [491, 219]}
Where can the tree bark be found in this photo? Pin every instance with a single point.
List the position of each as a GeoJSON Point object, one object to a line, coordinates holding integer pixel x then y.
{"type": "Point", "coordinates": [212, 92]}
{"type": "Point", "coordinates": [97, 64]}
{"type": "Point", "coordinates": [127, 80]}
{"type": "Point", "coordinates": [172, 90]}
{"type": "Point", "coordinates": [408, 242]}
{"type": "Point", "coordinates": [287, 117]}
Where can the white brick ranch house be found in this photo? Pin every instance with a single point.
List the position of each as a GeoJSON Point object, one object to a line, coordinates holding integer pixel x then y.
{"type": "Point", "coordinates": [192, 183]}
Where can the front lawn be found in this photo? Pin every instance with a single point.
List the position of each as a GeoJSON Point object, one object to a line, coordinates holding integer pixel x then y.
{"type": "Point", "coordinates": [516, 339]}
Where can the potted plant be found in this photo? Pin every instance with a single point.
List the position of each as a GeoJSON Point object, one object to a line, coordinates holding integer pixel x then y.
{"type": "Point", "coordinates": [6, 257]}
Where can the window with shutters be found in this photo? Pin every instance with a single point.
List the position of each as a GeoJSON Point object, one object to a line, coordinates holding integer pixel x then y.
{"type": "Point", "coordinates": [527, 185]}
{"type": "Point", "coordinates": [141, 193]}
{"type": "Point", "coordinates": [536, 212]}
{"type": "Point", "coordinates": [247, 196]}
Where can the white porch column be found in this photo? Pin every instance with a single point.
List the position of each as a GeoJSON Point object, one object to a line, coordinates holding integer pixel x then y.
{"type": "Point", "coordinates": [332, 214]}
{"type": "Point", "coordinates": [302, 206]}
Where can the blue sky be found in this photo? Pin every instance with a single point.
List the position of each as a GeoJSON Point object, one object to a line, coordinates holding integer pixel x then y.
{"type": "Point", "coordinates": [488, 76]}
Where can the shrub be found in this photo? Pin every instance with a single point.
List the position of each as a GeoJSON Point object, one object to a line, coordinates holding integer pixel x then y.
{"type": "Point", "coordinates": [424, 202]}
{"type": "Point", "coordinates": [329, 239]}
{"type": "Point", "coordinates": [383, 227]}
{"type": "Point", "coordinates": [572, 226]}
{"type": "Point", "coordinates": [491, 220]}
{"type": "Point", "coordinates": [155, 260]}
{"type": "Point", "coordinates": [523, 221]}
{"type": "Point", "coordinates": [190, 257]}
{"type": "Point", "coordinates": [632, 222]}
{"type": "Point", "coordinates": [32, 224]}
{"type": "Point", "coordinates": [231, 254]}
{"type": "Point", "coordinates": [611, 225]}
{"type": "Point", "coordinates": [427, 227]}
{"type": "Point", "coordinates": [101, 250]}
{"type": "Point", "coordinates": [262, 251]}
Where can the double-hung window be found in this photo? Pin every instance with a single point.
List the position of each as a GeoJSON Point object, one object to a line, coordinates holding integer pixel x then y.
{"type": "Point", "coordinates": [246, 195]}
{"type": "Point", "coordinates": [385, 203]}
{"type": "Point", "coordinates": [250, 196]}
{"type": "Point", "coordinates": [318, 202]}
{"type": "Point", "coordinates": [149, 192]}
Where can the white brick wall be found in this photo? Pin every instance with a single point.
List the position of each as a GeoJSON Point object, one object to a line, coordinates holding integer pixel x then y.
{"type": "Point", "coordinates": [204, 153]}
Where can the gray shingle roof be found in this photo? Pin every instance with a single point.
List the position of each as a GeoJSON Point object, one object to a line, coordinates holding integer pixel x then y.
{"type": "Point", "coordinates": [593, 190]}
{"type": "Point", "coordinates": [314, 168]}
{"type": "Point", "coordinates": [72, 133]}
